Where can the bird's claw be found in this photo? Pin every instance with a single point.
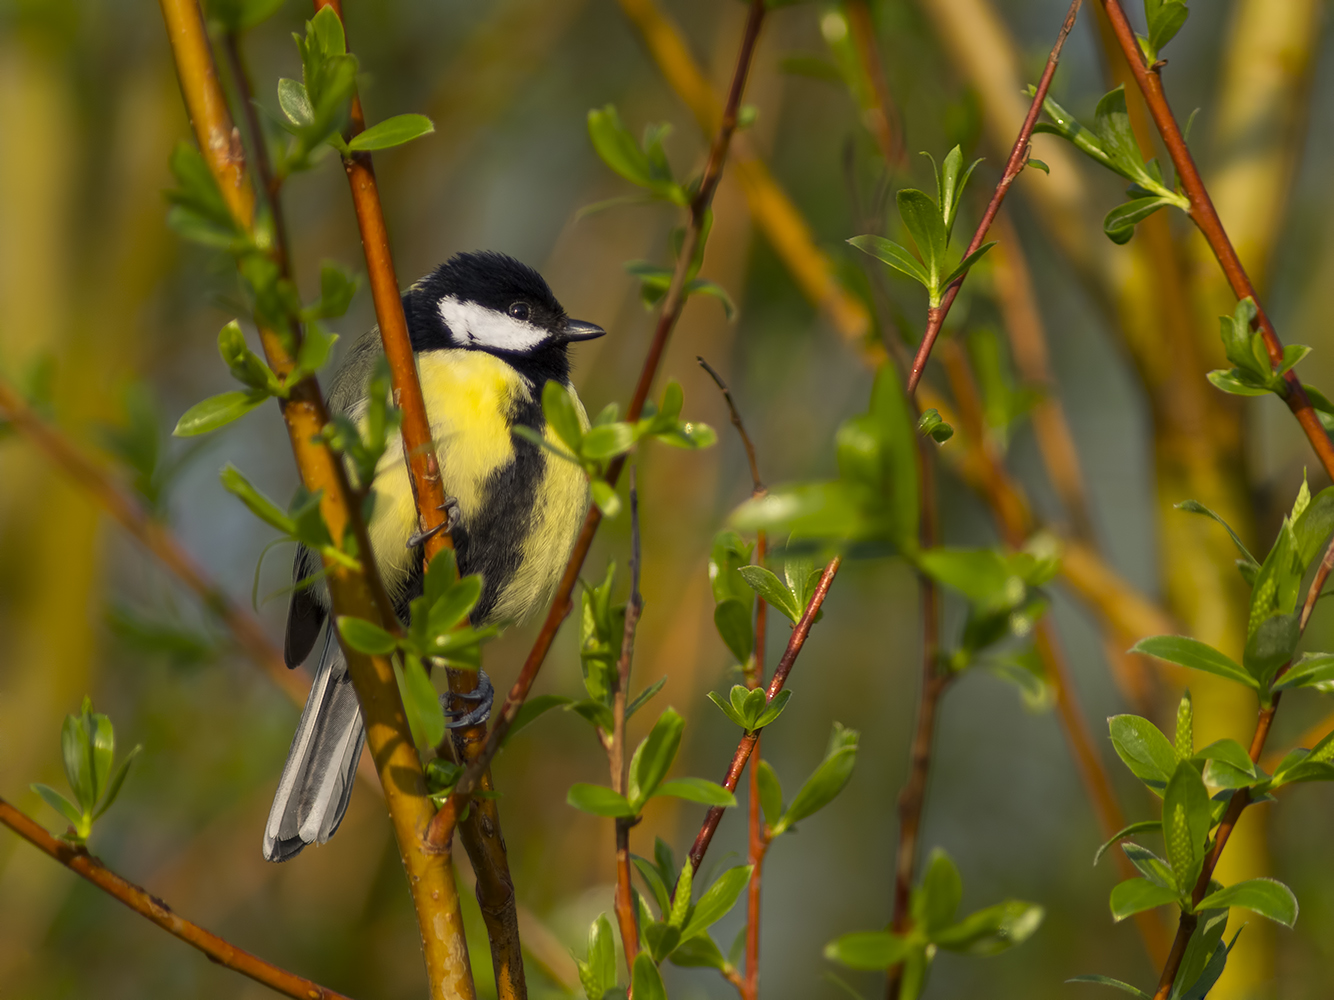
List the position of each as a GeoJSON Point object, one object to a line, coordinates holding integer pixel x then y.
{"type": "Point", "coordinates": [451, 509]}
{"type": "Point", "coordinates": [484, 695]}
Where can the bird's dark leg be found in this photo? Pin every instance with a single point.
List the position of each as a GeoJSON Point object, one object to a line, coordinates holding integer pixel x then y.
{"type": "Point", "coordinates": [451, 521]}
{"type": "Point", "coordinates": [484, 695]}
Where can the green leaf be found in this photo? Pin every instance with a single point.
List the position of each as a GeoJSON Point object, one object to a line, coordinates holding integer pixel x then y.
{"type": "Point", "coordinates": [1194, 507]}
{"type": "Point", "coordinates": [1194, 654]}
{"type": "Point", "coordinates": [1144, 749]}
{"type": "Point", "coordinates": [1264, 896]}
{"type": "Point", "coordinates": [391, 132]}
{"type": "Point", "coordinates": [235, 16]}
{"type": "Point", "coordinates": [716, 901]}
{"type": "Point", "coordinates": [728, 554]}
{"type": "Point", "coordinates": [246, 366]}
{"type": "Point", "coordinates": [869, 951]}
{"type": "Point", "coordinates": [981, 575]}
{"type": "Point", "coordinates": [59, 803]}
{"type": "Point", "coordinates": [768, 586]}
{"type": "Point", "coordinates": [1199, 962]}
{"type": "Point", "coordinates": [1270, 646]}
{"type": "Point", "coordinates": [426, 717]}
{"type": "Point", "coordinates": [366, 637]}
{"type": "Point", "coordinates": [562, 412]}
{"type": "Point", "coordinates": [1114, 983]}
{"type": "Point", "coordinates": [732, 713]}
{"type": "Point", "coordinates": [1152, 867]}
{"type": "Point", "coordinates": [771, 792]}
{"type": "Point", "coordinates": [992, 930]}
{"type": "Point", "coordinates": [676, 916]}
{"type": "Point", "coordinates": [1134, 829]}
{"type": "Point", "coordinates": [1186, 821]}
{"type": "Point", "coordinates": [732, 620]}
{"type": "Point", "coordinates": [1234, 383]}
{"type": "Point", "coordinates": [931, 423]}
{"type": "Point", "coordinates": [617, 146]}
{"type": "Point", "coordinates": [937, 898]}
{"type": "Point", "coordinates": [455, 605]}
{"type": "Point", "coordinates": [1292, 355]}
{"type": "Point", "coordinates": [597, 974]}
{"type": "Point", "coordinates": [1117, 138]}
{"type": "Point", "coordinates": [772, 710]}
{"type": "Point", "coordinates": [894, 255]}
{"type": "Point", "coordinates": [1165, 18]}
{"type": "Point", "coordinates": [1136, 894]}
{"type": "Point", "coordinates": [261, 506]}
{"type": "Point", "coordinates": [653, 757]}
{"type": "Point", "coordinates": [699, 952]}
{"type": "Point", "coordinates": [964, 265]}
{"type": "Point", "coordinates": [1232, 754]}
{"type": "Point", "coordinates": [922, 218]}
{"type": "Point", "coordinates": [702, 286]}
{"type": "Point", "coordinates": [1119, 224]}
{"type": "Point", "coordinates": [114, 785]}
{"type": "Point", "coordinates": [295, 103]}
{"type": "Point", "coordinates": [642, 699]}
{"type": "Point", "coordinates": [1310, 670]}
{"type": "Point", "coordinates": [829, 779]}
{"type": "Point", "coordinates": [598, 800]}
{"type": "Point", "coordinates": [604, 495]}
{"type": "Point", "coordinates": [701, 790]}
{"type": "Point", "coordinates": [607, 441]}
{"type": "Point", "coordinates": [645, 980]}
{"type": "Point", "coordinates": [77, 758]}
{"type": "Point", "coordinates": [218, 411]}
{"type": "Point", "coordinates": [1183, 739]}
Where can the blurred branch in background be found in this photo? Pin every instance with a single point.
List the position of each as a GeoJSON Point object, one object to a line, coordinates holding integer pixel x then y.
{"type": "Point", "coordinates": [78, 860]}
{"type": "Point", "coordinates": [154, 536]}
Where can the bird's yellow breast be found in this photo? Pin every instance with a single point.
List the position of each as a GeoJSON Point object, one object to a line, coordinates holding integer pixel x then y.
{"type": "Point", "coordinates": [470, 398]}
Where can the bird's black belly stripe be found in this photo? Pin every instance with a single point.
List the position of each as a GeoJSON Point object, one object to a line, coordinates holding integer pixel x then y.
{"type": "Point", "coordinates": [491, 541]}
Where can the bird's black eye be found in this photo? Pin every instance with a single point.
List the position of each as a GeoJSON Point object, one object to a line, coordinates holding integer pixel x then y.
{"type": "Point", "coordinates": [519, 310]}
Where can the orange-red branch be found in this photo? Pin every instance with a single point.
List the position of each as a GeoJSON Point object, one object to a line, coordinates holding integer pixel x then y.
{"type": "Point", "coordinates": [1015, 164]}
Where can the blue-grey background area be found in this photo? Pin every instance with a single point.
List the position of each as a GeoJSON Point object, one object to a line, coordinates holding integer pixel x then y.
{"type": "Point", "coordinates": [89, 275]}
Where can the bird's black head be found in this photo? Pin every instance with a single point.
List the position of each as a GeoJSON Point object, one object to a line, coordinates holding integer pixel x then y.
{"type": "Point", "coordinates": [490, 302]}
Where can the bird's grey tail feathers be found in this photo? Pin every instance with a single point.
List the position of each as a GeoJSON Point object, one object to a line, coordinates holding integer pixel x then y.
{"type": "Point", "coordinates": [322, 763]}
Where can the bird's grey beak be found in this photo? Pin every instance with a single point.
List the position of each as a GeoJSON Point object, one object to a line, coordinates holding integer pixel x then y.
{"type": "Point", "coordinates": [577, 329]}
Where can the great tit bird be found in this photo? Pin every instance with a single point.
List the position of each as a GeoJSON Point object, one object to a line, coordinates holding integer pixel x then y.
{"type": "Point", "coordinates": [488, 335]}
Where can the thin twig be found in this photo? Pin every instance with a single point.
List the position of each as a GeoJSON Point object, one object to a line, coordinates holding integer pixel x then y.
{"type": "Point", "coordinates": [748, 741]}
{"type": "Point", "coordinates": [359, 593]}
{"type": "Point", "coordinates": [673, 303]}
{"type": "Point", "coordinates": [1018, 159]}
{"type": "Point", "coordinates": [226, 954]}
{"type": "Point", "coordinates": [1203, 214]}
{"type": "Point", "coordinates": [757, 484]}
{"type": "Point", "coordinates": [626, 916]}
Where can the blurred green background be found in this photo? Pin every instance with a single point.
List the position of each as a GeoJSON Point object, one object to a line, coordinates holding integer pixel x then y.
{"type": "Point", "coordinates": [97, 295]}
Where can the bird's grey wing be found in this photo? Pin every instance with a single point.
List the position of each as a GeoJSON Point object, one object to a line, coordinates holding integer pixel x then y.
{"type": "Point", "coordinates": [316, 783]}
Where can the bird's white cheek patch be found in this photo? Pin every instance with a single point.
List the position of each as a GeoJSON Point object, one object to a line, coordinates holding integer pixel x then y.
{"type": "Point", "coordinates": [477, 326]}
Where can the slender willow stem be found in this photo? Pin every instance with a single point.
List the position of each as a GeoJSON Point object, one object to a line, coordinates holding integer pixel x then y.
{"type": "Point", "coordinates": [359, 593]}
{"type": "Point", "coordinates": [224, 953]}
{"type": "Point", "coordinates": [748, 741]}
{"type": "Point", "coordinates": [1205, 217]}
{"type": "Point", "coordinates": [626, 916]}
{"type": "Point", "coordinates": [1018, 159]}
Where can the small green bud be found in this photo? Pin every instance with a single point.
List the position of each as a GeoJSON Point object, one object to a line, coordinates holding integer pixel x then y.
{"type": "Point", "coordinates": [1185, 735]}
